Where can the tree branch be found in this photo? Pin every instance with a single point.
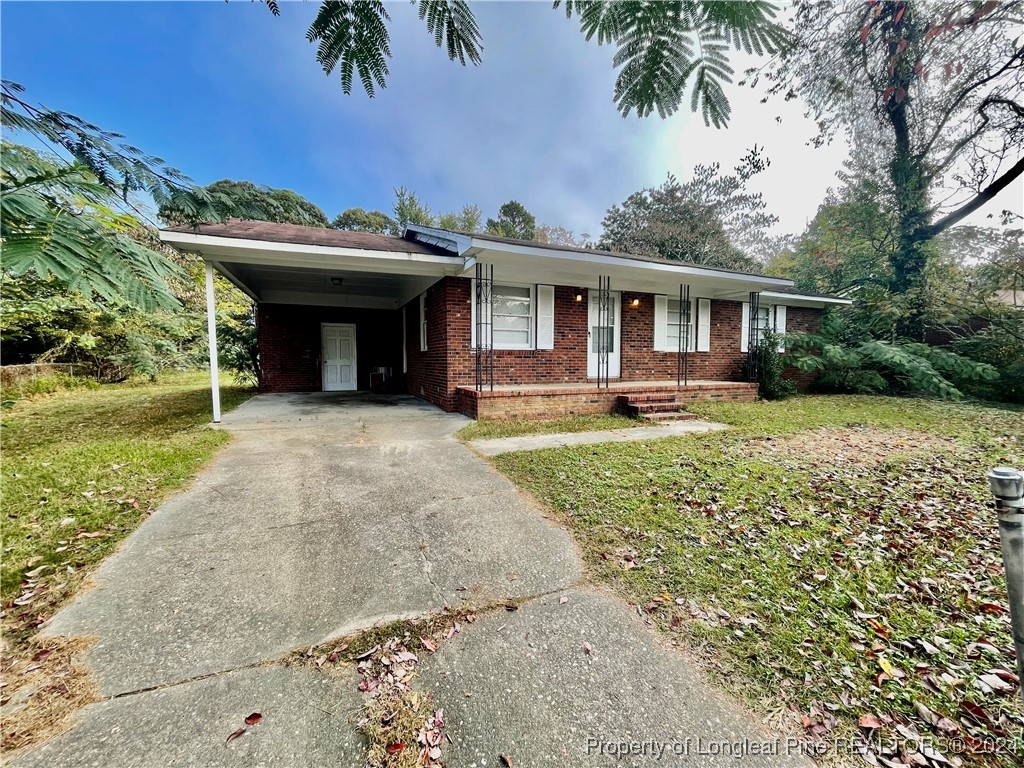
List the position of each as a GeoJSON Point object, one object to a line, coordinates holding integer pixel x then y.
{"type": "Point", "coordinates": [979, 200]}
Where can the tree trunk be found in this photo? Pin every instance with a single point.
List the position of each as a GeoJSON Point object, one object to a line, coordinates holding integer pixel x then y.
{"type": "Point", "coordinates": [910, 184]}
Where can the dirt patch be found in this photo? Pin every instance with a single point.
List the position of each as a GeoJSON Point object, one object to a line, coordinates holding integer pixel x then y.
{"type": "Point", "coordinates": [43, 687]}
{"type": "Point", "coordinates": [859, 446]}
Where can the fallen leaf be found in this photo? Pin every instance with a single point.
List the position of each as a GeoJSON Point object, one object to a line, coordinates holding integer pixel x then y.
{"type": "Point", "coordinates": [506, 760]}
{"type": "Point", "coordinates": [429, 644]}
{"type": "Point", "coordinates": [869, 721]}
{"type": "Point", "coordinates": [563, 600]}
{"type": "Point", "coordinates": [234, 736]}
{"type": "Point", "coordinates": [588, 648]}
{"type": "Point", "coordinates": [395, 747]}
{"type": "Point", "coordinates": [254, 718]}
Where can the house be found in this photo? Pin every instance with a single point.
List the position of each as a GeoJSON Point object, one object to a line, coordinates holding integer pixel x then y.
{"type": "Point", "coordinates": [489, 326]}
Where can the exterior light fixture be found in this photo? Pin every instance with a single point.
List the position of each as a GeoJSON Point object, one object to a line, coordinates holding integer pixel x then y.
{"type": "Point", "coordinates": [579, 295]}
{"type": "Point", "coordinates": [635, 302]}
{"type": "Point", "coordinates": [336, 280]}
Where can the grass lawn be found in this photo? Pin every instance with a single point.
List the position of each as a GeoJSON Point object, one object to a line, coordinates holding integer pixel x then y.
{"type": "Point", "coordinates": [480, 430]}
{"type": "Point", "coordinates": [835, 561]}
{"type": "Point", "coordinates": [81, 469]}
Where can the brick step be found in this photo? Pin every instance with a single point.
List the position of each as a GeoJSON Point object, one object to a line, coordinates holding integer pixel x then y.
{"type": "Point", "coordinates": [668, 416]}
{"type": "Point", "coordinates": [648, 397]}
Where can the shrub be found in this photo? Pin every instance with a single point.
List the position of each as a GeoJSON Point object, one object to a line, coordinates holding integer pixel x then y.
{"type": "Point", "coordinates": [237, 345]}
{"type": "Point", "coordinates": [898, 367]}
{"type": "Point", "coordinates": [770, 365]}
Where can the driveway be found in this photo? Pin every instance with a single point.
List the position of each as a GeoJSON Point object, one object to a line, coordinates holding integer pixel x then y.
{"type": "Point", "coordinates": [327, 514]}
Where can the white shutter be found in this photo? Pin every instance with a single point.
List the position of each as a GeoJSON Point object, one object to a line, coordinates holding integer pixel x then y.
{"type": "Point", "coordinates": [780, 324]}
{"type": "Point", "coordinates": [472, 313]}
{"type": "Point", "coordinates": [545, 317]}
{"type": "Point", "coordinates": [661, 323]}
{"type": "Point", "coordinates": [745, 327]}
{"type": "Point", "coordinates": [703, 325]}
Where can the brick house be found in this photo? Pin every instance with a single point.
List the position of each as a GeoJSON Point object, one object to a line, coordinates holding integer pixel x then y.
{"type": "Point", "coordinates": [493, 327]}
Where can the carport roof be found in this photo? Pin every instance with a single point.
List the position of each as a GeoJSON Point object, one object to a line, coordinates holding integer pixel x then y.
{"type": "Point", "coordinates": [300, 235]}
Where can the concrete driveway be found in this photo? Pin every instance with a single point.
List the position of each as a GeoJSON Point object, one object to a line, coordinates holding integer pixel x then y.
{"type": "Point", "coordinates": [330, 513]}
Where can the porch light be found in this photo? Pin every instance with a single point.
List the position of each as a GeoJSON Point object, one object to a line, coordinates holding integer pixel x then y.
{"type": "Point", "coordinates": [579, 295]}
{"type": "Point", "coordinates": [336, 280]}
{"type": "Point", "coordinates": [635, 302]}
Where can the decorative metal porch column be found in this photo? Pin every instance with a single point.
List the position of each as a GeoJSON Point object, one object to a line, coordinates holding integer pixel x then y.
{"type": "Point", "coordinates": [484, 327]}
{"type": "Point", "coordinates": [683, 356]}
{"type": "Point", "coordinates": [753, 335]}
{"type": "Point", "coordinates": [605, 328]}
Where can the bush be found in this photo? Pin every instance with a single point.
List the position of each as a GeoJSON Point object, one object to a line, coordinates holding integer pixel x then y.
{"type": "Point", "coordinates": [237, 347]}
{"type": "Point", "coordinates": [36, 386]}
{"type": "Point", "coordinates": [898, 367]}
{"type": "Point", "coordinates": [770, 365]}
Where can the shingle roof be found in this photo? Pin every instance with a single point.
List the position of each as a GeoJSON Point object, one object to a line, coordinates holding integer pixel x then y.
{"type": "Point", "coordinates": [616, 254]}
{"type": "Point", "coordinates": [300, 235]}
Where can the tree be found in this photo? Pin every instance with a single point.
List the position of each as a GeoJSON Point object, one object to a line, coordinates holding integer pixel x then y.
{"type": "Point", "coordinates": [556, 235]}
{"type": "Point", "coordinates": [72, 214]}
{"type": "Point", "coordinates": [663, 49]}
{"type": "Point", "coordinates": [937, 90]}
{"type": "Point", "coordinates": [409, 209]}
{"type": "Point", "coordinates": [359, 220]}
{"type": "Point", "coordinates": [744, 215]}
{"type": "Point", "coordinates": [260, 203]}
{"type": "Point", "coordinates": [513, 221]}
{"type": "Point", "coordinates": [469, 219]}
{"type": "Point", "coordinates": [664, 222]}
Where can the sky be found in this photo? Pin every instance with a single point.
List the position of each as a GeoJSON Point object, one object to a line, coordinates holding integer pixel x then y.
{"type": "Point", "coordinates": [226, 90]}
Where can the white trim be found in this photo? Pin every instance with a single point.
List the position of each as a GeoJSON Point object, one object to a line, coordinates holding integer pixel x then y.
{"type": "Point", "coordinates": [532, 344]}
{"type": "Point", "coordinates": [328, 300]}
{"type": "Point", "coordinates": [423, 322]}
{"type": "Point", "coordinates": [211, 337]}
{"type": "Point", "coordinates": [318, 253]}
{"type": "Point", "coordinates": [779, 325]}
{"type": "Point", "coordinates": [614, 370]}
{"type": "Point", "coordinates": [703, 325]}
{"type": "Point", "coordinates": [405, 341]}
{"type": "Point", "coordinates": [803, 300]}
{"type": "Point", "coordinates": [745, 327]}
{"type": "Point", "coordinates": [545, 313]}
{"type": "Point", "coordinates": [323, 359]}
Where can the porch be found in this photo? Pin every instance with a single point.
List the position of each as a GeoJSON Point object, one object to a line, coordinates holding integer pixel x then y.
{"type": "Point", "coordinates": [545, 401]}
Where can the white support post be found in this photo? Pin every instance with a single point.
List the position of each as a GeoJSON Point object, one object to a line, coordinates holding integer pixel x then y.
{"type": "Point", "coordinates": [211, 331]}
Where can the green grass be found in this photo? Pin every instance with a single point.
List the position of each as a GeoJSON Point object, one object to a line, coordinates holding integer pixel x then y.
{"type": "Point", "coordinates": [800, 576]}
{"type": "Point", "coordinates": [82, 468]}
{"type": "Point", "coordinates": [480, 430]}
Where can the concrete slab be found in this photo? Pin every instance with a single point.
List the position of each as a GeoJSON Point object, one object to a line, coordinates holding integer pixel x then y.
{"type": "Point", "coordinates": [522, 684]}
{"type": "Point", "coordinates": [324, 516]}
{"type": "Point", "coordinates": [309, 720]}
{"type": "Point", "coordinates": [495, 446]}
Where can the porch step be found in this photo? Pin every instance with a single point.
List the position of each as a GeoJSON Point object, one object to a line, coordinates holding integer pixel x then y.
{"type": "Point", "coordinates": [654, 406]}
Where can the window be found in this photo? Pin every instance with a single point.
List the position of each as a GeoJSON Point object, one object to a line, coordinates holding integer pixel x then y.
{"type": "Point", "coordinates": [672, 324]}
{"type": "Point", "coordinates": [764, 318]}
{"type": "Point", "coordinates": [423, 322]}
{"type": "Point", "coordinates": [512, 314]}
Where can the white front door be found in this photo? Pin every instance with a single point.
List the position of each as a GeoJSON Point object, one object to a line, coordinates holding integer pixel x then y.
{"type": "Point", "coordinates": [339, 356]}
{"type": "Point", "coordinates": [612, 330]}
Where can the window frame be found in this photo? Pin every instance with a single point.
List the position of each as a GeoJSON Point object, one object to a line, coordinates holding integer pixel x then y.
{"type": "Point", "coordinates": [532, 340]}
{"type": "Point", "coordinates": [689, 327]}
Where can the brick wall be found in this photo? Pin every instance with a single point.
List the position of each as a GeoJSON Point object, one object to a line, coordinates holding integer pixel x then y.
{"type": "Point", "coordinates": [428, 371]}
{"type": "Point", "coordinates": [290, 345]}
{"type": "Point", "coordinates": [640, 362]}
{"type": "Point", "coordinates": [801, 320]}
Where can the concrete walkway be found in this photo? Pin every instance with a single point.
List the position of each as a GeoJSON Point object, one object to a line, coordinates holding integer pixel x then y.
{"type": "Point", "coordinates": [326, 515]}
{"type": "Point", "coordinates": [497, 445]}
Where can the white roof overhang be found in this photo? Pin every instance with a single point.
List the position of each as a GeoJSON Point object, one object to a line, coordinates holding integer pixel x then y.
{"type": "Point", "coordinates": [293, 273]}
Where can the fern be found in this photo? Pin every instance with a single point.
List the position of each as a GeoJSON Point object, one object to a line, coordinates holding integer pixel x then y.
{"type": "Point", "coordinates": [872, 365]}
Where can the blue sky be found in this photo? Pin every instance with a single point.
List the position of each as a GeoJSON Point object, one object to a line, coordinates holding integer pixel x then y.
{"type": "Point", "coordinates": [226, 90]}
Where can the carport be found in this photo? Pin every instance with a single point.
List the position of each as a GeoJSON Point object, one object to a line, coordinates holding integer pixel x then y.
{"type": "Point", "coordinates": [331, 305]}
